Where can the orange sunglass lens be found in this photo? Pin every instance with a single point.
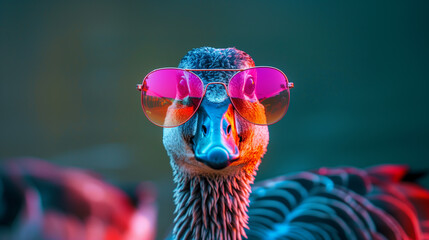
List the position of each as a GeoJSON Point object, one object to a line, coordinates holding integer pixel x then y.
{"type": "Point", "coordinates": [171, 96]}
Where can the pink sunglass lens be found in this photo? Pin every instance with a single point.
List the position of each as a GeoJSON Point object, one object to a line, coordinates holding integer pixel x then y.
{"type": "Point", "coordinates": [171, 96]}
{"type": "Point", "coordinates": [260, 94]}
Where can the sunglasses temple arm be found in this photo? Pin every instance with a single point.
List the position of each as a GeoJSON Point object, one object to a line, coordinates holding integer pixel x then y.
{"type": "Point", "coordinates": [139, 87]}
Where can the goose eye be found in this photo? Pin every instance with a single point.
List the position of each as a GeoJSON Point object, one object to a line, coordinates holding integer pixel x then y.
{"type": "Point", "coordinates": [183, 89]}
{"type": "Point", "coordinates": [249, 86]}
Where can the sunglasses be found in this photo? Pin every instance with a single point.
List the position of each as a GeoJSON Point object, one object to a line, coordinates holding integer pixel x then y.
{"type": "Point", "coordinates": [171, 96]}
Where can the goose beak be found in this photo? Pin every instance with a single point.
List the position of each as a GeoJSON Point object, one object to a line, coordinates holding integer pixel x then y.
{"type": "Point", "coordinates": [216, 141]}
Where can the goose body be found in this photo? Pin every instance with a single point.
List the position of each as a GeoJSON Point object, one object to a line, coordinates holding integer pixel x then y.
{"type": "Point", "coordinates": [212, 194]}
{"type": "Point", "coordinates": [340, 203]}
{"type": "Point", "coordinates": [41, 201]}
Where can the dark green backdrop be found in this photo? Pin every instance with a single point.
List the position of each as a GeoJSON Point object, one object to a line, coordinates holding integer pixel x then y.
{"type": "Point", "coordinates": [68, 75]}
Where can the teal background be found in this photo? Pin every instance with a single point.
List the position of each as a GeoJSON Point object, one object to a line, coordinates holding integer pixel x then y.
{"type": "Point", "coordinates": [68, 75]}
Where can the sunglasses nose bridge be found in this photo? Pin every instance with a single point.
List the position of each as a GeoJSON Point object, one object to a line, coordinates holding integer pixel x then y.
{"type": "Point", "coordinates": [213, 83]}
{"type": "Point", "coordinates": [221, 83]}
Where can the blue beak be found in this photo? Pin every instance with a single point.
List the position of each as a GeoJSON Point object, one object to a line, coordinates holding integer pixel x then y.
{"type": "Point", "coordinates": [216, 140]}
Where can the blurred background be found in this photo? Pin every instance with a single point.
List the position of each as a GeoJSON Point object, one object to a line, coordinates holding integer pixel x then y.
{"type": "Point", "coordinates": [68, 73]}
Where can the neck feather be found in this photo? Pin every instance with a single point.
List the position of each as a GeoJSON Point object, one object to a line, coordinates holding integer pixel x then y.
{"type": "Point", "coordinates": [211, 207]}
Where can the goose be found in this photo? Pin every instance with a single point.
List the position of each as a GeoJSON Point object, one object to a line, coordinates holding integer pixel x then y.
{"type": "Point", "coordinates": [215, 156]}
{"type": "Point", "coordinates": [39, 200]}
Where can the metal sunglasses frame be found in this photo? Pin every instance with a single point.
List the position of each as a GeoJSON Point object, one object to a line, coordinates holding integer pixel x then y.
{"type": "Point", "coordinates": [139, 87]}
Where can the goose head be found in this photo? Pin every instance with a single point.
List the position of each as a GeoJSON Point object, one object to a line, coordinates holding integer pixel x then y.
{"type": "Point", "coordinates": [216, 141]}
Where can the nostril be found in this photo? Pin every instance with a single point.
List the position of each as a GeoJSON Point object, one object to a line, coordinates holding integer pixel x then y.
{"type": "Point", "coordinates": [204, 128]}
{"type": "Point", "coordinates": [228, 129]}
